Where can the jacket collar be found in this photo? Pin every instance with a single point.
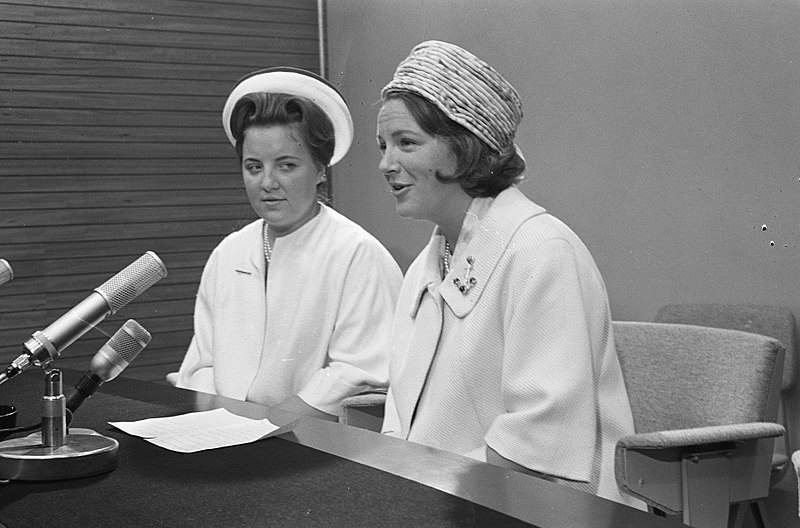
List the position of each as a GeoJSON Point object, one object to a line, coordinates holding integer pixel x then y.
{"type": "Point", "coordinates": [254, 262]}
{"type": "Point", "coordinates": [251, 261]}
{"type": "Point", "coordinates": [490, 237]}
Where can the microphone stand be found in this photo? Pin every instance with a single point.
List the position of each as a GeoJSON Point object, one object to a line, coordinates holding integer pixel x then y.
{"type": "Point", "coordinates": [55, 453]}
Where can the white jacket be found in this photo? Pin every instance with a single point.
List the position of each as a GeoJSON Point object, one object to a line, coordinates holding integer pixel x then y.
{"type": "Point", "coordinates": [523, 362]}
{"type": "Point", "coordinates": [322, 329]}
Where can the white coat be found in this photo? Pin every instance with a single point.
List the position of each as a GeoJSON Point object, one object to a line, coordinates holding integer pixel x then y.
{"type": "Point", "coordinates": [526, 363]}
{"type": "Point", "coordinates": [321, 328]}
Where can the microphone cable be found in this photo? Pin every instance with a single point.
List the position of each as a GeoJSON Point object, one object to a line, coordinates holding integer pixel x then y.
{"type": "Point", "coordinates": [5, 433]}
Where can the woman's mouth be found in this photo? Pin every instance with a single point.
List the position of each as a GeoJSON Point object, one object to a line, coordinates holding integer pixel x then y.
{"type": "Point", "coordinates": [397, 187]}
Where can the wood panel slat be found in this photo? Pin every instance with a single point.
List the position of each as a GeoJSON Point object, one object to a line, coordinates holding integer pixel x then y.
{"type": "Point", "coordinates": [69, 278]}
{"type": "Point", "coordinates": [148, 172]}
{"type": "Point", "coordinates": [108, 67]}
{"type": "Point", "coordinates": [135, 233]}
{"type": "Point", "coordinates": [13, 340]}
{"type": "Point", "coordinates": [157, 39]}
{"type": "Point", "coordinates": [45, 82]}
{"type": "Point", "coordinates": [43, 117]}
{"type": "Point", "coordinates": [133, 152]}
{"type": "Point", "coordinates": [115, 215]}
{"type": "Point", "coordinates": [179, 133]}
{"type": "Point", "coordinates": [30, 254]}
{"type": "Point", "coordinates": [283, 23]}
{"type": "Point", "coordinates": [251, 57]}
{"type": "Point", "coordinates": [12, 306]}
{"type": "Point", "coordinates": [257, 10]}
{"type": "Point", "coordinates": [114, 102]}
{"type": "Point", "coordinates": [142, 307]}
{"type": "Point", "coordinates": [121, 199]}
{"type": "Point", "coordinates": [111, 146]}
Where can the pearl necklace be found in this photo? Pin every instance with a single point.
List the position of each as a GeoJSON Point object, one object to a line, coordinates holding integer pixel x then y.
{"type": "Point", "coordinates": [446, 258]}
{"type": "Point", "coordinates": [267, 245]}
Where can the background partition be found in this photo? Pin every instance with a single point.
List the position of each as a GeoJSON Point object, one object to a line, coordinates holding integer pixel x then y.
{"type": "Point", "coordinates": [111, 145]}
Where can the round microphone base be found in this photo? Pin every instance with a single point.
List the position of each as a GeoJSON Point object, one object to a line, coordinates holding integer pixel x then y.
{"type": "Point", "coordinates": [85, 453]}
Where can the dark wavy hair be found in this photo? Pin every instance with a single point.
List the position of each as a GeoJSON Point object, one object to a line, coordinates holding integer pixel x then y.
{"type": "Point", "coordinates": [480, 171]}
{"type": "Point", "coordinates": [267, 109]}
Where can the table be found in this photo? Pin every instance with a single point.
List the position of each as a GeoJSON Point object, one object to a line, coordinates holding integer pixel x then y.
{"type": "Point", "coordinates": [320, 474]}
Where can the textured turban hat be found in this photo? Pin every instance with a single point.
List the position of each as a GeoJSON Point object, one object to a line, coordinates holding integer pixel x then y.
{"type": "Point", "coordinates": [465, 88]}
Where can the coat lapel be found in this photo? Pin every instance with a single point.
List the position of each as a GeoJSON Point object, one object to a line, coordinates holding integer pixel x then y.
{"type": "Point", "coordinates": [486, 247]}
{"type": "Point", "coordinates": [250, 273]}
{"type": "Point", "coordinates": [426, 312]}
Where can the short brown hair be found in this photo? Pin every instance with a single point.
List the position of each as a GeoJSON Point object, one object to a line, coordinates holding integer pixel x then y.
{"type": "Point", "coordinates": [480, 171]}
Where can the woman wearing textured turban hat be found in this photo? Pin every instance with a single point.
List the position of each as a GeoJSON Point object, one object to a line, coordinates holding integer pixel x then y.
{"type": "Point", "coordinates": [270, 327]}
{"type": "Point", "coordinates": [502, 345]}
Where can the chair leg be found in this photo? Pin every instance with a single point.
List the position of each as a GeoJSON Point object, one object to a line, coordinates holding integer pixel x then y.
{"type": "Point", "coordinates": [758, 509]}
{"type": "Point", "coordinates": [738, 515]}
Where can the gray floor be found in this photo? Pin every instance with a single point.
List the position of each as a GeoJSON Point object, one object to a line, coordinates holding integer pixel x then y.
{"type": "Point", "coordinates": [781, 505]}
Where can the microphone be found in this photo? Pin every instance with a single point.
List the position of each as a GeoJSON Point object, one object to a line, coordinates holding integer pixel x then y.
{"type": "Point", "coordinates": [109, 362]}
{"type": "Point", "coordinates": [46, 345]}
{"type": "Point", "coordinates": [6, 273]}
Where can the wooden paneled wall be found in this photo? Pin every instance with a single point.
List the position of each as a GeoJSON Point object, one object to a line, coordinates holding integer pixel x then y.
{"type": "Point", "coordinates": [111, 145]}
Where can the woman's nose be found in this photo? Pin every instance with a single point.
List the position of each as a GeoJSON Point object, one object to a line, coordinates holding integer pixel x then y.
{"type": "Point", "coordinates": [268, 181]}
{"type": "Point", "coordinates": [387, 165]}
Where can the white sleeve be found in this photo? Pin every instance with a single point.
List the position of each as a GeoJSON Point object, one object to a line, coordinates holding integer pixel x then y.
{"type": "Point", "coordinates": [197, 368]}
{"type": "Point", "coordinates": [391, 420]}
{"type": "Point", "coordinates": [358, 355]}
{"type": "Point", "coordinates": [548, 384]}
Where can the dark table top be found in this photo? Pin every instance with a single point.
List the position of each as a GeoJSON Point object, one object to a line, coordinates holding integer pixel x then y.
{"type": "Point", "coordinates": [319, 474]}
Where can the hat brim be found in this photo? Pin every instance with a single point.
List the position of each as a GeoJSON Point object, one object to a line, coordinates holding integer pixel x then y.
{"type": "Point", "coordinates": [295, 81]}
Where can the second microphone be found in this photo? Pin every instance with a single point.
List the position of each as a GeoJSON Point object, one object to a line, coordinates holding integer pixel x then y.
{"type": "Point", "coordinates": [109, 362]}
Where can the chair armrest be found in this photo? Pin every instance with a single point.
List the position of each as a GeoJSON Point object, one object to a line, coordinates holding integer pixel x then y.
{"type": "Point", "coordinates": [701, 435]}
{"type": "Point", "coordinates": [653, 466]}
{"type": "Point", "coordinates": [363, 410]}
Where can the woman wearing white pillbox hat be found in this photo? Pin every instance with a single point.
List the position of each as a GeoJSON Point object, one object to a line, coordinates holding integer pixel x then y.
{"type": "Point", "coordinates": [293, 310]}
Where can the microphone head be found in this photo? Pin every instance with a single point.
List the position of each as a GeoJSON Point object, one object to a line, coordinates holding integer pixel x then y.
{"type": "Point", "coordinates": [6, 273]}
{"type": "Point", "coordinates": [120, 350]}
{"type": "Point", "coordinates": [129, 340]}
{"type": "Point", "coordinates": [129, 283]}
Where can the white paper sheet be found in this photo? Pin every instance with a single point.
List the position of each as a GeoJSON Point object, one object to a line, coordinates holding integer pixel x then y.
{"type": "Point", "coordinates": [198, 431]}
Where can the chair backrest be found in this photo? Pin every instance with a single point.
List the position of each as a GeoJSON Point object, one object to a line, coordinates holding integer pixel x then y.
{"type": "Point", "coordinates": [773, 321]}
{"type": "Point", "coordinates": [684, 376]}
